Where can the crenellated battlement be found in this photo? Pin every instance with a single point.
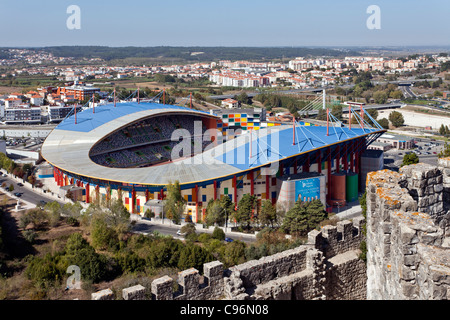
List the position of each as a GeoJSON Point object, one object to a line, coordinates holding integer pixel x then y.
{"type": "Point", "coordinates": [300, 272]}
{"type": "Point", "coordinates": [343, 237]}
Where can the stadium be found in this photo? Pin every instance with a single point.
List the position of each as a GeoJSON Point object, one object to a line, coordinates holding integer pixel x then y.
{"type": "Point", "coordinates": [134, 149]}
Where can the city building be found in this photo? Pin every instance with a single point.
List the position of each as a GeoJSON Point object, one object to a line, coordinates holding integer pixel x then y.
{"type": "Point", "coordinates": [397, 141]}
{"type": "Point", "coordinates": [22, 114]}
{"type": "Point", "coordinates": [230, 103]}
{"type": "Point", "coordinates": [79, 92]}
{"type": "Point", "coordinates": [58, 113]}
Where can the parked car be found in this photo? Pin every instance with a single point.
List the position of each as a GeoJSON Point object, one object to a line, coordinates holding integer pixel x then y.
{"type": "Point", "coordinates": [179, 233]}
{"type": "Point", "coordinates": [228, 239]}
{"type": "Point", "coordinates": [20, 184]}
{"type": "Point", "coordinates": [18, 194]}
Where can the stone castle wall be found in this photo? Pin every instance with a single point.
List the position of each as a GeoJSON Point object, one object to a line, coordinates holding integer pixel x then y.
{"type": "Point", "coordinates": [327, 267]}
{"type": "Point", "coordinates": [407, 234]}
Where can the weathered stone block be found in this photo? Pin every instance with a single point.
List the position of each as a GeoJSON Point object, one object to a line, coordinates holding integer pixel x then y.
{"type": "Point", "coordinates": [162, 288]}
{"type": "Point", "coordinates": [136, 292]}
{"type": "Point", "coordinates": [105, 294]}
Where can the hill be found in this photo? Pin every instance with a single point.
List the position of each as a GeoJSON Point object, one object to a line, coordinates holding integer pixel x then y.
{"type": "Point", "coordinates": [194, 53]}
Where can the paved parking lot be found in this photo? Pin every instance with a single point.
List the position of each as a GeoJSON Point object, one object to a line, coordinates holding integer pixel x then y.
{"type": "Point", "coordinates": [426, 149]}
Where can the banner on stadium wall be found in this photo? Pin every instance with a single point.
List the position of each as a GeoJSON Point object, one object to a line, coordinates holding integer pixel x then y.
{"type": "Point", "coordinates": [307, 189]}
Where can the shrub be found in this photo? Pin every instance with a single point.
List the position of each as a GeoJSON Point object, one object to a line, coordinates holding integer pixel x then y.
{"type": "Point", "coordinates": [72, 221]}
{"type": "Point", "coordinates": [218, 234]}
{"type": "Point", "coordinates": [103, 236]}
{"type": "Point", "coordinates": [129, 261]}
{"type": "Point", "coordinates": [193, 256]}
{"type": "Point", "coordinates": [188, 229]}
{"type": "Point", "coordinates": [29, 235]}
{"type": "Point", "coordinates": [204, 237]}
{"type": "Point", "coordinates": [45, 269]}
{"type": "Point", "coordinates": [79, 252]}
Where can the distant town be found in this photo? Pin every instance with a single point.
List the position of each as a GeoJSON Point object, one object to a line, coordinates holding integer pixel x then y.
{"type": "Point", "coordinates": [68, 81]}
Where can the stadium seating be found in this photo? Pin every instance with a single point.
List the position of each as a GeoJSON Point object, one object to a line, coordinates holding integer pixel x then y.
{"type": "Point", "coordinates": [145, 143]}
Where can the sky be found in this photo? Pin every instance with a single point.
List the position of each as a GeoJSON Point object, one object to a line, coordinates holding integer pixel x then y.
{"type": "Point", "coordinates": [117, 23]}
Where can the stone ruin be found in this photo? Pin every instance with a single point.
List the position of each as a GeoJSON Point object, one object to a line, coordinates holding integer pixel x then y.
{"type": "Point", "coordinates": [408, 232]}
{"type": "Point", "coordinates": [408, 252]}
{"type": "Point", "coordinates": [327, 267]}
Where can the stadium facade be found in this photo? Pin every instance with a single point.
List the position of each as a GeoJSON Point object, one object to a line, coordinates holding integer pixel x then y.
{"type": "Point", "coordinates": [134, 150]}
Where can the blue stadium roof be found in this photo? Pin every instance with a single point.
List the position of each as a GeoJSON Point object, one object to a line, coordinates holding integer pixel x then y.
{"type": "Point", "coordinates": [87, 120]}
{"type": "Point", "coordinates": [278, 144]}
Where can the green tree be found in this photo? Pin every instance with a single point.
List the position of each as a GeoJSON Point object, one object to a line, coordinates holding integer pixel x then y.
{"type": "Point", "coordinates": [175, 203]}
{"type": "Point", "coordinates": [268, 213]}
{"type": "Point", "coordinates": [45, 270]}
{"type": "Point", "coordinates": [219, 210]}
{"type": "Point", "coordinates": [72, 209]}
{"type": "Point", "coordinates": [303, 217]}
{"type": "Point", "coordinates": [215, 213]}
{"type": "Point", "coordinates": [93, 266]}
{"type": "Point", "coordinates": [445, 152]}
{"type": "Point", "coordinates": [218, 234]}
{"type": "Point", "coordinates": [118, 213]}
{"type": "Point", "coordinates": [193, 256]}
{"type": "Point", "coordinates": [35, 216]}
{"type": "Point", "coordinates": [380, 97]}
{"type": "Point", "coordinates": [243, 98]}
{"type": "Point", "coordinates": [245, 211]}
{"type": "Point", "coordinates": [54, 212]}
{"type": "Point", "coordinates": [233, 253]}
{"type": "Point", "coordinates": [410, 158]}
{"type": "Point", "coordinates": [384, 123]}
{"type": "Point", "coordinates": [396, 94]}
{"type": "Point", "coordinates": [188, 229]}
{"type": "Point", "coordinates": [103, 236]}
{"type": "Point", "coordinates": [396, 118]}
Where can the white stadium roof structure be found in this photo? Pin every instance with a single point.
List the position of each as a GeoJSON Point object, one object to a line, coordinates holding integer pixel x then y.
{"type": "Point", "coordinates": [68, 147]}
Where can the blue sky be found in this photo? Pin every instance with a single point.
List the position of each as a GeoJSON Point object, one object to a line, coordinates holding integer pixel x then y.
{"type": "Point", "coordinates": [224, 23]}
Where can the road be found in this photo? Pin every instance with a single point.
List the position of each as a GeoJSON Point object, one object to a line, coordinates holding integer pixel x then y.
{"type": "Point", "coordinates": [407, 92]}
{"type": "Point", "coordinates": [27, 194]}
{"type": "Point", "coordinates": [171, 229]}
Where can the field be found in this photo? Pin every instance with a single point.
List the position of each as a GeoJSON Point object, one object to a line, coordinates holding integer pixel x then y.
{"type": "Point", "coordinates": [415, 118]}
